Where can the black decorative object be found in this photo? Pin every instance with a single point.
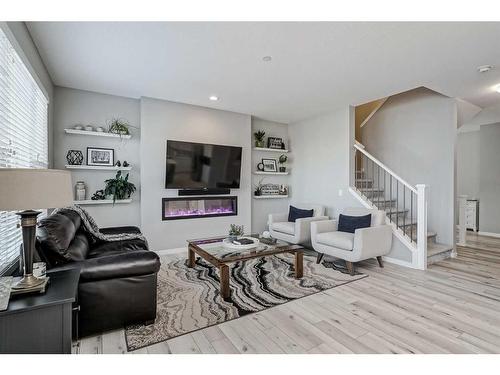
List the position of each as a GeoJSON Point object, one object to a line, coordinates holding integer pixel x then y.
{"type": "Point", "coordinates": [118, 164]}
{"type": "Point", "coordinates": [74, 157]}
{"type": "Point", "coordinates": [98, 195]}
{"type": "Point", "coordinates": [125, 164]}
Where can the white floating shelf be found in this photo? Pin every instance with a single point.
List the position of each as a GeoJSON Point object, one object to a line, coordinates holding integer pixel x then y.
{"type": "Point", "coordinates": [270, 196]}
{"type": "Point", "coordinates": [98, 134]}
{"type": "Point", "coordinates": [102, 201]}
{"type": "Point", "coordinates": [270, 149]}
{"type": "Point", "coordinates": [273, 173]}
{"type": "Point", "coordinates": [97, 168]}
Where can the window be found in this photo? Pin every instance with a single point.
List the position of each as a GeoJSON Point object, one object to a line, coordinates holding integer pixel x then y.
{"type": "Point", "coordinates": [23, 135]}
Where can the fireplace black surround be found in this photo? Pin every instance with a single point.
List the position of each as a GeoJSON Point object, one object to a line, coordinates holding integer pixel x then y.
{"type": "Point", "coordinates": [198, 207]}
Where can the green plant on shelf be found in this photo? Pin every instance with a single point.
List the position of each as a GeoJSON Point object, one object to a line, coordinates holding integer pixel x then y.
{"type": "Point", "coordinates": [119, 126]}
{"type": "Point", "coordinates": [257, 191]}
{"type": "Point", "coordinates": [119, 187]}
{"type": "Point", "coordinates": [259, 138]}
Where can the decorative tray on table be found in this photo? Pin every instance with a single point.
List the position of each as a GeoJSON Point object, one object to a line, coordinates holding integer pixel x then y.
{"type": "Point", "coordinates": [230, 244]}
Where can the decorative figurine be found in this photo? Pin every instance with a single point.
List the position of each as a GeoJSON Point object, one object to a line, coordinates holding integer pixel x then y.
{"type": "Point", "coordinates": [125, 163]}
{"type": "Point", "coordinates": [118, 164]}
{"type": "Point", "coordinates": [98, 195]}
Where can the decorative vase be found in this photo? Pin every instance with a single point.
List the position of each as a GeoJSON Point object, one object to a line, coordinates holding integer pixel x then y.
{"type": "Point", "coordinates": [80, 191]}
{"type": "Point", "coordinates": [232, 238]}
{"type": "Point", "coordinates": [259, 144]}
{"type": "Point", "coordinates": [74, 157]}
{"type": "Point", "coordinates": [282, 169]}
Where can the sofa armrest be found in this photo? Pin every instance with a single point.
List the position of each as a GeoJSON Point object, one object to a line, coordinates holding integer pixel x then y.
{"type": "Point", "coordinates": [128, 264]}
{"type": "Point", "coordinates": [277, 218]}
{"type": "Point", "coordinates": [323, 226]}
{"type": "Point", "coordinates": [118, 230]}
{"type": "Point", "coordinates": [303, 227]}
{"type": "Point", "coordinates": [373, 241]}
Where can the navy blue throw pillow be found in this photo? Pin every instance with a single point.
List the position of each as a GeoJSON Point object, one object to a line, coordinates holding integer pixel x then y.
{"type": "Point", "coordinates": [351, 223]}
{"type": "Point", "coordinates": [296, 213]}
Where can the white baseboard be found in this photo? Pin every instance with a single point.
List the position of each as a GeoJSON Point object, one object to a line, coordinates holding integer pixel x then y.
{"type": "Point", "coordinates": [178, 250]}
{"type": "Point", "coordinates": [398, 262]}
{"type": "Point", "coordinates": [489, 234]}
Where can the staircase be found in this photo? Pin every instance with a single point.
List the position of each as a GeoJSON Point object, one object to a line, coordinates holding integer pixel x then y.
{"type": "Point", "coordinates": [405, 207]}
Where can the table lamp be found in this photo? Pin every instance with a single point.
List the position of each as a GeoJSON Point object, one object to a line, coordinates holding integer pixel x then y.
{"type": "Point", "coordinates": [27, 189]}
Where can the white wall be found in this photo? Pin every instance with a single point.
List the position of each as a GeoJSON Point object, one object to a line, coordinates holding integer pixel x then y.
{"type": "Point", "coordinates": [263, 207]}
{"type": "Point", "coordinates": [468, 163]}
{"type": "Point", "coordinates": [162, 120]}
{"type": "Point", "coordinates": [321, 161]}
{"type": "Point", "coordinates": [489, 179]}
{"type": "Point", "coordinates": [89, 108]}
{"type": "Point", "coordinates": [414, 134]}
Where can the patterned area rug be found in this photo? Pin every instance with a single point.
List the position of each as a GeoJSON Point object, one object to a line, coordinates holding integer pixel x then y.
{"type": "Point", "coordinates": [189, 300]}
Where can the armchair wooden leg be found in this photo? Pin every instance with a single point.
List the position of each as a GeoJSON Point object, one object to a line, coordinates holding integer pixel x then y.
{"type": "Point", "coordinates": [380, 263]}
{"type": "Point", "coordinates": [319, 258]}
{"type": "Point", "coordinates": [350, 267]}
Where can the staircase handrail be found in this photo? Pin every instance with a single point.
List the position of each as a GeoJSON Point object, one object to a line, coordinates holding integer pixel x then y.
{"type": "Point", "coordinates": [383, 166]}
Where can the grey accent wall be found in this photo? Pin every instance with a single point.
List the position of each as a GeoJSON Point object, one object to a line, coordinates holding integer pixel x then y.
{"type": "Point", "coordinates": [263, 207]}
{"type": "Point", "coordinates": [489, 179]}
{"type": "Point", "coordinates": [321, 161]}
{"type": "Point", "coordinates": [468, 164]}
{"type": "Point", "coordinates": [414, 134]}
{"type": "Point", "coordinates": [89, 108]}
{"type": "Point", "coordinates": [162, 120]}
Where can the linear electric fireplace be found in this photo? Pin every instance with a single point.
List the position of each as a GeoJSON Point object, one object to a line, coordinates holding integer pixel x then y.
{"type": "Point", "coordinates": [196, 207]}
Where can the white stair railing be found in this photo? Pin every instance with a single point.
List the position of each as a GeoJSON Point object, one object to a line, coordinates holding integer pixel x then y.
{"type": "Point", "coordinates": [405, 205]}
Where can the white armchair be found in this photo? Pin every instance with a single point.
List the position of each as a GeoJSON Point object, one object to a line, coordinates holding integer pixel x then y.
{"type": "Point", "coordinates": [298, 232]}
{"type": "Point", "coordinates": [372, 242]}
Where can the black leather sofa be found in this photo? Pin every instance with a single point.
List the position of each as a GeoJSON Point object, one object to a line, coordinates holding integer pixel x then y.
{"type": "Point", "coordinates": [117, 279]}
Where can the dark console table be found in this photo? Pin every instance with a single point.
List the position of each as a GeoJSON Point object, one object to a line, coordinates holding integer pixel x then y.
{"type": "Point", "coordinates": [41, 323]}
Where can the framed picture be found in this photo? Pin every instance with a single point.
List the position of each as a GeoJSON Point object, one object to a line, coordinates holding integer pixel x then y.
{"type": "Point", "coordinates": [269, 165]}
{"type": "Point", "coordinates": [274, 142]}
{"type": "Point", "coordinates": [104, 157]}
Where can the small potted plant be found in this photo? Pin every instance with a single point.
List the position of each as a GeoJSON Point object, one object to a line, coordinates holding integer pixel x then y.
{"type": "Point", "coordinates": [119, 126]}
{"type": "Point", "coordinates": [282, 160]}
{"type": "Point", "coordinates": [257, 190]}
{"type": "Point", "coordinates": [259, 138]}
{"type": "Point", "coordinates": [235, 231]}
{"type": "Point", "coordinates": [119, 187]}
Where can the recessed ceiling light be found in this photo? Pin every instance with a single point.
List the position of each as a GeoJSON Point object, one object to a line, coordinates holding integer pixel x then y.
{"type": "Point", "coordinates": [484, 68]}
{"type": "Point", "coordinates": [213, 98]}
{"type": "Point", "coordinates": [267, 58]}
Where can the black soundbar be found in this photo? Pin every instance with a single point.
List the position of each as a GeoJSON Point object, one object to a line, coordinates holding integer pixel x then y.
{"type": "Point", "coordinates": [204, 191]}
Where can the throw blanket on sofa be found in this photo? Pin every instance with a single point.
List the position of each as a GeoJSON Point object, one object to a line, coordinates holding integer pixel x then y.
{"type": "Point", "coordinates": [92, 228]}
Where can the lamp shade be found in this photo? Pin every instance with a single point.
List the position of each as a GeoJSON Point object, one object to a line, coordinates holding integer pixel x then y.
{"type": "Point", "coordinates": [23, 189]}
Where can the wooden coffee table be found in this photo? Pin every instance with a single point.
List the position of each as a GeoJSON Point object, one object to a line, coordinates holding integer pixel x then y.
{"type": "Point", "coordinates": [213, 251]}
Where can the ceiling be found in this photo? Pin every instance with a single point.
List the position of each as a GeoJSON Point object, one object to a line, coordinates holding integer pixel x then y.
{"type": "Point", "coordinates": [315, 67]}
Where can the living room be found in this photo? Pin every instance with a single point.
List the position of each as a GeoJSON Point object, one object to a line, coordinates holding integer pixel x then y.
{"type": "Point", "coordinates": [232, 188]}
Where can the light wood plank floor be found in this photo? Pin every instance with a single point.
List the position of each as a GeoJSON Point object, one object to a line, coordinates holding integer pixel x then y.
{"type": "Point", "coordinates": [453, 307]}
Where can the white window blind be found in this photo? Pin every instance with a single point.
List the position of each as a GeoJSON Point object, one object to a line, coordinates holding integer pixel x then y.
{"type": "Point", "coordinates": [23, 135]}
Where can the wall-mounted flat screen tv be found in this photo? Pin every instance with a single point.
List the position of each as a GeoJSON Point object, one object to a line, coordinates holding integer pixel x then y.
{"type": "Point", "coordinates": [198, 165]}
